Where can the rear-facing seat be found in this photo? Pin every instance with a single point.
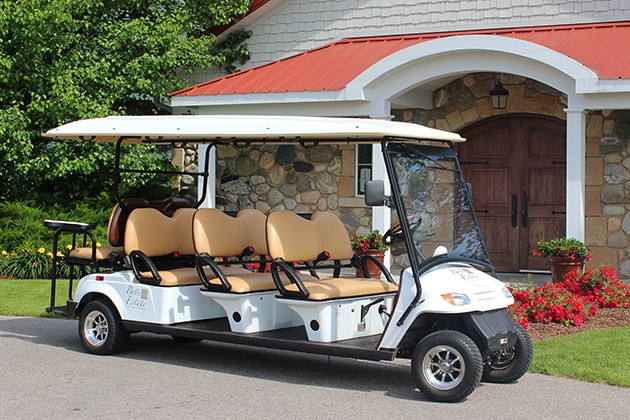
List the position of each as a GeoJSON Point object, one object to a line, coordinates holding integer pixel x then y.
{"type": "Point", "coordinates": [332, 308]}
{"type": "Point", "coordinates": [247, 297]}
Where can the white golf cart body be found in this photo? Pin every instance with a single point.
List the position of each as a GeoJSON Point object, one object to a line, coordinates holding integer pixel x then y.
{"type": "Point", "coordinates": [448, 291]}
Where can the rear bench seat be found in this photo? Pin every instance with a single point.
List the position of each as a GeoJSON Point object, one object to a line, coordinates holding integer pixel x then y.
{"type": "Point", "coordinates": [247, 297]}
{"type": "Point", "coordinates": [331, 309]}
{"type": "Point", "coordinates": [151, 235]}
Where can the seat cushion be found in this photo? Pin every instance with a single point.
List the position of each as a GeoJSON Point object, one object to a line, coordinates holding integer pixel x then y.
{"type": "Point", "coordinates": [338, 288]}
{"type": "Point", "coordinates": [102, 252]}
{"type": "Point", "coordinates": [187, 276]}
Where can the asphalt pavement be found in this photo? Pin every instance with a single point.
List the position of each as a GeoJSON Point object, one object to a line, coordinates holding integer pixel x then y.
{"type": "Point", "coordinates": [45, 373]}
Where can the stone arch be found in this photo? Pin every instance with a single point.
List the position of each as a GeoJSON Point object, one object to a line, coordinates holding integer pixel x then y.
{"type": "Point", "coordinates": [465, 101]}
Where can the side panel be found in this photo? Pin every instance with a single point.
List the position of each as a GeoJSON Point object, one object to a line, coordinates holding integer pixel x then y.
{"type": "Point", "coordinates": [152, 304]}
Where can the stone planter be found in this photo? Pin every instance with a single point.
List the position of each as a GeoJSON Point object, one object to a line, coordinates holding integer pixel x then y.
{"type": "Point", "coordinates": [373, 271]}
{"type": "Point", "coordinates": [560, 266]}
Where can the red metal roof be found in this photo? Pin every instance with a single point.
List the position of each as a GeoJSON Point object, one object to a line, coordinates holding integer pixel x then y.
{"type": "Point", "coordinates": [604, 48]}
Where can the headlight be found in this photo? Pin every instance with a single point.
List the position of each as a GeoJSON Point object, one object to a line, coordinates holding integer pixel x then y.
{"type": "Point", "coordinates": [456, 299]}
{"type": "Point", "coordinates": [506, 292]}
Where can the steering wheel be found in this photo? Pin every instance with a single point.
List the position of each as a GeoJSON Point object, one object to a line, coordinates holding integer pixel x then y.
{"type": "Point", "coordinates": [394, 231]}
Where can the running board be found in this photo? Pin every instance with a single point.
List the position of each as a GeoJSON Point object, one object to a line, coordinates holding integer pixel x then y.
{"type": "Point", "coordinates": [292, 339]}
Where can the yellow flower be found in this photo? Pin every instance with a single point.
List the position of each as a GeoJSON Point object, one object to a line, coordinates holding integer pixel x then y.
{"type": "Point", "coordinates": [98, 244]}
{"type": "Point", "coordinates": [59, 254]}
{"type": "Point", "coordinates": [4, 252]}
{"type": "Point", "coordinates": [41, 250]}
{"type": "Point", "coordinates": [69, 247]}
{"type": "Point", "coordinates": [49, 254]}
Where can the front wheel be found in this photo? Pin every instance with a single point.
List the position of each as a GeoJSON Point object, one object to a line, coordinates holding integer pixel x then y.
{"type": "Point", "coordinates": [101, 329]}
{"type": "Point", "coordinates": [446, 366]}
{"type": "Point", "coordinates": [508, 365]}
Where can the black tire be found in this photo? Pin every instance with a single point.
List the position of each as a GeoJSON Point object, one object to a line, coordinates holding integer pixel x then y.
{"type": "Point", "coordinates": [507, 366]}
{"type": "Point", "coordinates": [185, 340]}
{"type": "Point", "coordinates": [446, 366]}
{"type": "Point", "coordinates": [101, 329]}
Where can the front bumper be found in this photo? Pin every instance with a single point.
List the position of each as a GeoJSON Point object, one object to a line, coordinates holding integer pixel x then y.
{"type": "Point", "coordinates": [491, 330]}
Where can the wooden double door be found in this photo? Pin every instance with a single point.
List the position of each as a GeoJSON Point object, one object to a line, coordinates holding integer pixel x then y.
{"type": "Point", "coordinates": [516, 166]}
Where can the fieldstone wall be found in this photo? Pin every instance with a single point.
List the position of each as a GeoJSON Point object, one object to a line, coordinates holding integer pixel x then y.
{"type": "Point", "coordinates": [186, 157]}
{"type": "Point", "coordinates": [608, 188]}
{"type": "Point", "coordinates": [289, 177]}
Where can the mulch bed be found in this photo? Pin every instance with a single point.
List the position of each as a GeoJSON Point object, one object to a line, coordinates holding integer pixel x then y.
{"type": "Point", "coordinates": [605, 318]}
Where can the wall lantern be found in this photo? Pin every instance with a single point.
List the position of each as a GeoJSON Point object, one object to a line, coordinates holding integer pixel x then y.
{"type": "Point", "coordinates": [499, 95]}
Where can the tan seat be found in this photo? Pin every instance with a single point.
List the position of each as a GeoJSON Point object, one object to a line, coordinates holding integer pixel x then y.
{"type": "Point", "coordinates": [292, 238]}
{"type": "Point", "coordinates": [156, 235]}
{"type": "Point", "coordinates": [118, 222]}
{"type": "Point", "coordinates": [220, 235]}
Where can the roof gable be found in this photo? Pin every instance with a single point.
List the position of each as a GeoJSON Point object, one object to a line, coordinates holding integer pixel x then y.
{"type": "Point", "coordinates": [603, 48]}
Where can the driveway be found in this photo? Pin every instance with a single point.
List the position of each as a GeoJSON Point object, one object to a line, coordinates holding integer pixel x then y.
{"type": "Point", "coordinates": [47, 374]}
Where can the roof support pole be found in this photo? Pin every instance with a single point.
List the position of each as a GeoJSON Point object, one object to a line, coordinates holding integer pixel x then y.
{"type": "Point", "coordinates": [381, 216]}
{"type": "Point", "coordinates": [210, 200]}
{"type": "Point", "coordinates": [576, 174]}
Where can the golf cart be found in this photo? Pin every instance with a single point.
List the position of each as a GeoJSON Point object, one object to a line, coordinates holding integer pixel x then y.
{"type": "Point", "coordinates": [285, 280]}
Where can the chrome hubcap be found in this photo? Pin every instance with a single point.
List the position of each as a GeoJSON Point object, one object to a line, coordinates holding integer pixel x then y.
{"type": "Point", "coordinates": [443, 367]}
{"type": "Point", "coordinates": [96, 328]}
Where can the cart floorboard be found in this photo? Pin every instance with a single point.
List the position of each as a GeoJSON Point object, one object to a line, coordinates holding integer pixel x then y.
{"type": "Point", "coordinates": [293, 339]}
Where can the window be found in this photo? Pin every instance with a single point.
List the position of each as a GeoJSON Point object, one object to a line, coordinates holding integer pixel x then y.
{"type": "Point", "coordinates": [363, 167]}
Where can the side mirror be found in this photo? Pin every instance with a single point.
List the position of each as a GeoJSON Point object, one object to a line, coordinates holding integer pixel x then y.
{"type": "Point", "coordinates": [375, 194]}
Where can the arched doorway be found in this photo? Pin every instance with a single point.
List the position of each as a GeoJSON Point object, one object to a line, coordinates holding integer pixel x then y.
{"type": "Point", "coordinates": [516, 165]}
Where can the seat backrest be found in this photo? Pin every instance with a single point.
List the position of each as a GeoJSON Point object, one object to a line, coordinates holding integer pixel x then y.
{"type": "Point", "coordinates": [222, 235]}
{"type": "Point", "coordinates": [120, 214]}
{"type": "Point", "coordinates": [118, 219]}
{"type": "Point", "coordinates": [254, 223]}
{"type": "Point", "coordinates": [218, 234]}
{"type": "Point", "coordinates": [292, 237]}
{"type": "Point", "coordinates": [155, 234]}
{"type": "Point", "coordinates": [334, 236]}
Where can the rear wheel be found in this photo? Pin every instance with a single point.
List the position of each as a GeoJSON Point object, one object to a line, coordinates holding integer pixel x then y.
{"type": "Point", "coordinates": [101, 329]}
{"type": "Point", "coordinates": [446, 366]}
{"type": "Point", "coordinates": [508, 365]}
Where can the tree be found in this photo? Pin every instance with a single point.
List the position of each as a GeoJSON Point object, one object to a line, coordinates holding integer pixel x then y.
{"type": "Point", "coordinates": [62, 60]}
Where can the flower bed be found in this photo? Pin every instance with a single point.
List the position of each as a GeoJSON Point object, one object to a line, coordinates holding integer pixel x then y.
{"type": "Point", "coordinates": [572, 301]}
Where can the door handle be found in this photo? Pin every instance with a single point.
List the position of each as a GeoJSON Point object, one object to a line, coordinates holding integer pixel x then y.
{"type": "Point", "coordinates": [514, 212]}
{"type": "Point", "coordinates": [524, 215]}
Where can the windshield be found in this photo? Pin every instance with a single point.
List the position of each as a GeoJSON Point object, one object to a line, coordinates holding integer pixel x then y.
{"type": "Point", "coordinates": [435, 201]}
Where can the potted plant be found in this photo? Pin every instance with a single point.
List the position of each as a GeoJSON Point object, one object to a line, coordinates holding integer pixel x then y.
{"type": "Point", "coordinates": [369, 244]}
{"type": "Point", "coordinates": [565, 254]}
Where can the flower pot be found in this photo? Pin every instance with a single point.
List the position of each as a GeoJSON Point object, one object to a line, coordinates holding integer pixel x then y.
{"type": "Point", "coordinates": [373, 271]}
{"type": "Point", "coordinates": [560, 266]}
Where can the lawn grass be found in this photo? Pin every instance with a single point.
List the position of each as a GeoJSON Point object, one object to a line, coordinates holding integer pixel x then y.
{"type": "Point", "coordinates": [30, 297]}
{"type": "Point", "coordinates": [601, 356]}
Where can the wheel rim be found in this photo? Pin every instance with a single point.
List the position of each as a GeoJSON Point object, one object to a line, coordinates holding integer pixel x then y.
{"type": "Point", "coordinates": [502, 359]}
{"type": "Point", "coordinates": [443, 367]}
{"type": "Point", "coordinates": [96, 328]}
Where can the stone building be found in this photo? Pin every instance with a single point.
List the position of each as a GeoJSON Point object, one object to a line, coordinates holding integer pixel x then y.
{"type": "Point", "coordinates": [552, 162]}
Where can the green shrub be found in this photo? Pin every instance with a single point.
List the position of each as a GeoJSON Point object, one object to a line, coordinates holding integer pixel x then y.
{"type": "Point", "coordinates": [30, 262]}
{"type": "Point", "coordinates": [26, 244]}
{"type": "Point", "coordinates": [23, 221]}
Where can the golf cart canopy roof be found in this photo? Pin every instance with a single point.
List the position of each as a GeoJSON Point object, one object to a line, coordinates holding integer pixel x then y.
{"type": "Point", "coordinates": [244, 128]}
